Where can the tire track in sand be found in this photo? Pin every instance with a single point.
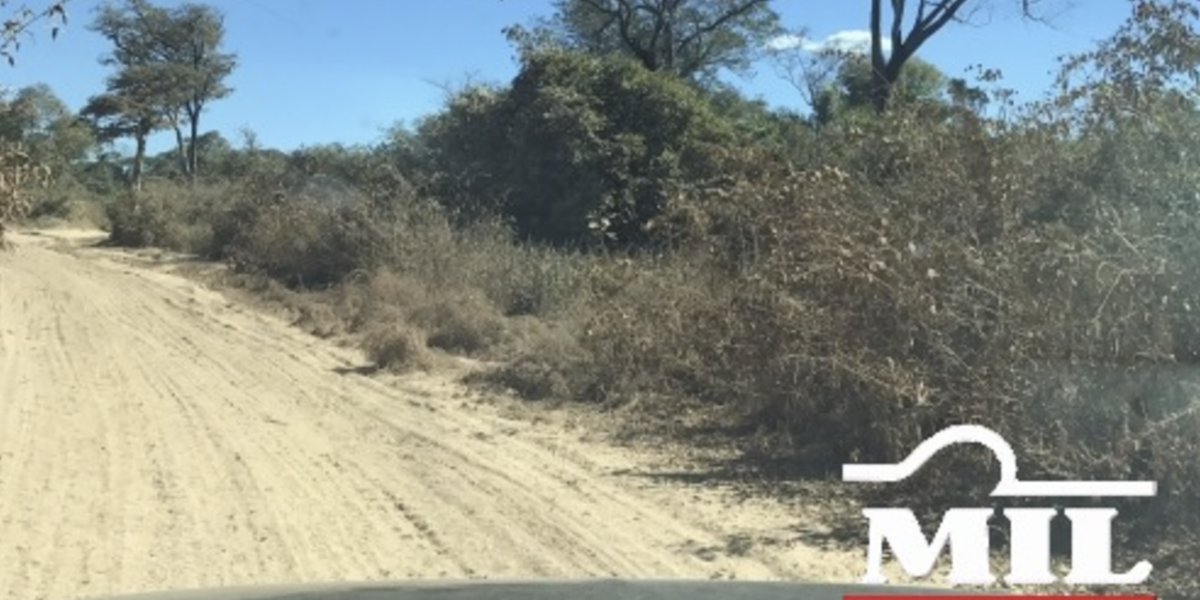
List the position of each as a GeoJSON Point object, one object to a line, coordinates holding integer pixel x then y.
{"type": "Point", "coordinates": [153, 436]}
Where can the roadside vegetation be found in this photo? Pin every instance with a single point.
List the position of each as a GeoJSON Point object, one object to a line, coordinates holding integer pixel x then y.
{"type": "Point", "coordinates": [617, 225]}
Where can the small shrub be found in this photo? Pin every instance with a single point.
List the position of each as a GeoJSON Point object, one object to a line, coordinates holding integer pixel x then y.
{"type": "Point", "coordinates": [18, 173]}
{"type": "Point", "coordinates": [166, 215]}
{"type": "Point", "coordinates": [396, 346]}
{"type": "Point", "coordinates": [460, 324]}
{"type": "Point", "coordinates": [532, 379]}
{"type": "Point", "coordinates": [553, 367]}
{"type": "Point", "coordinates": [519, 279]}
{"type": "Point", "coordinates": [380, 297]}
{"type": "Point", "coordinates": [320, 319]}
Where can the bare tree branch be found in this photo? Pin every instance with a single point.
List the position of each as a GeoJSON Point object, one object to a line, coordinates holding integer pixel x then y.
{"type": "Point", "coordinates": [931, 17]}
{"type": "Point", "coordinates": [23, 19]}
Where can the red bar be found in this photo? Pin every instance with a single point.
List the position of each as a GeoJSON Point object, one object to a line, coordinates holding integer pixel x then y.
{"type": "Point", "coordinates": [997, 595]}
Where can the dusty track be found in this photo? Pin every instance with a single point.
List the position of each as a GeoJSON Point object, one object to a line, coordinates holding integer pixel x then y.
{"type": "Point", "coordinates": [154, 435]}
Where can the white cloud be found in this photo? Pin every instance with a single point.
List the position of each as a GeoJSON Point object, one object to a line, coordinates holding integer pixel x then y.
{"type": "Point", "coordinates": [784, 42]}
{"type": "Point", "coordinates": [849, 40]}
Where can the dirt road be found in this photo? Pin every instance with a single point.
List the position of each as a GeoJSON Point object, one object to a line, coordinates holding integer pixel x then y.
{"type": "Point", "coordinates": [154, 435]}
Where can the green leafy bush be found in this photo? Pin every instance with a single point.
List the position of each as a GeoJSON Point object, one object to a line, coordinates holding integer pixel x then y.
{"type": "Point", "coordinates": [577, 146]}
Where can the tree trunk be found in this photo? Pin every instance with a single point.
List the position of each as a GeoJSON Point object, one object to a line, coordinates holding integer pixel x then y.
{"type": "Point", "coordinates": [668, 33]}
{"type": "Point", "coordinates": [880, 88]}
{"type": "Point", "coordinates": [885, 74]}
{"type": "Point", "coordinates": [883, 82]}
{"type": "Point", "coordinates": [180, 149]}
{"type": "Point", "coordinates": [881, 91]}
{"type": "Point", "coordinates": [193, 159]}
{"type": "Point", "coordinates": [139, 157]}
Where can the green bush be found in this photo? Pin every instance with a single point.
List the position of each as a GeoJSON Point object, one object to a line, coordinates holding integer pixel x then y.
{"type": "Point", "coordinates": [166, 215]}
{"type": "Point", "coordinates": [577, 146]}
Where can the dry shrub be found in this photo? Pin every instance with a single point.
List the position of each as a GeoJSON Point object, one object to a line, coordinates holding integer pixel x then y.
{"type": "Point", "coordinates": [1164, 531]}
{"type": "Point", "coordinates": [308, 232]}
{"type": "Point", "coordinates": [860, 305]}
{"type": "Point", "coordinates": [461, 324]}
{"type": "Point", "coordinates": [914, 282]}
{"type": "Point", "coordinates": [297, 241]}
{"type": "Point", "coordinates": [18, 173]}
{"type": "Point", "coordinates": [451, 320]}
{"type": "Point", "coordinates": [646, 331]}
{"type": "Point", "coordinates": [167, 215]}
{"type": "Point", "coordinates": [864, 305]}
{"type": "Point", "coordinates": [305, 242]}
{"type": "Point", "coordinates": [379, 297]}
{"type": "Point", "coordinates": [531, 378]}
{"type": "Point", "coordinates": [396, 346]}
{"type": "Point", "coordinates": [518, 279]}
{"type": "Point", "coordinates": [320, 319]}
{"type": "Point", "coordinates": [551, 365]}
{"type": "Point", "coordinates": [67, 202]}
{"type": "Point", "coordinates": [313, 312]}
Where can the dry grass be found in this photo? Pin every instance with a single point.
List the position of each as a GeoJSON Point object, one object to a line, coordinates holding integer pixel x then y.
{"type": "Point", "coordinates": [396, 346]}
{"type": "Point", "coordinates": [18, 173]}
{"type": "Point", "coordinates": [549, 365]}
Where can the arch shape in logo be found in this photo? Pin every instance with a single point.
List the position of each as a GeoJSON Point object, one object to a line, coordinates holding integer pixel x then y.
{"type": "Point", "coordinates": [1009, 486]}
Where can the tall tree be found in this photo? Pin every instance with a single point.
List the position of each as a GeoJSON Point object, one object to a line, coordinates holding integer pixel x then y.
{"type": "Point", "coordinates": [693, 38]}
{"type": "Point", "coordinates": [132, 108]}
{"type": "Point", "coordinates": [52, 134]}
{"type": "Point", "coordinates": [171, 61]}
{"type": "Point", "coordinates": [928, 17]}
{"type": "Point", "coordinates": [850, 92]}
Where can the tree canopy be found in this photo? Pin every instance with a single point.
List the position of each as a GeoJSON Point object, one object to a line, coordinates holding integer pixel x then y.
{"type": "Point", "coordinates": [852, 88]}
{"type": "Point", "coordinates": [577, 146]}
{"type": "Point", "coordinates": [691, 38]}
{"type": "Point", "coordinates": [35, 116]}
{"type": "Point", "coordinates": [169, 67]}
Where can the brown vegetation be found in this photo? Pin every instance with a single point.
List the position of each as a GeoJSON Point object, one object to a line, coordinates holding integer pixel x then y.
{"type": "Point", "coordinates": [18, 173]}
{"type": "Point", "coordinates": [835, 293]}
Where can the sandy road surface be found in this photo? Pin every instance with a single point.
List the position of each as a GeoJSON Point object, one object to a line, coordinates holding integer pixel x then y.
{"type": "Point", "coordinates": [155, 436]}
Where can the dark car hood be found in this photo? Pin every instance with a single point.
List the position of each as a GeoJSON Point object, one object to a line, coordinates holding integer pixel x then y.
{"type": "Point", "coordinates": [593, 589]}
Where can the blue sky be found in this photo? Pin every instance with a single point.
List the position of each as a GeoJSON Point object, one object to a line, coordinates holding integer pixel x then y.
{"type": "Point", "coordinates": [320, 71]}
